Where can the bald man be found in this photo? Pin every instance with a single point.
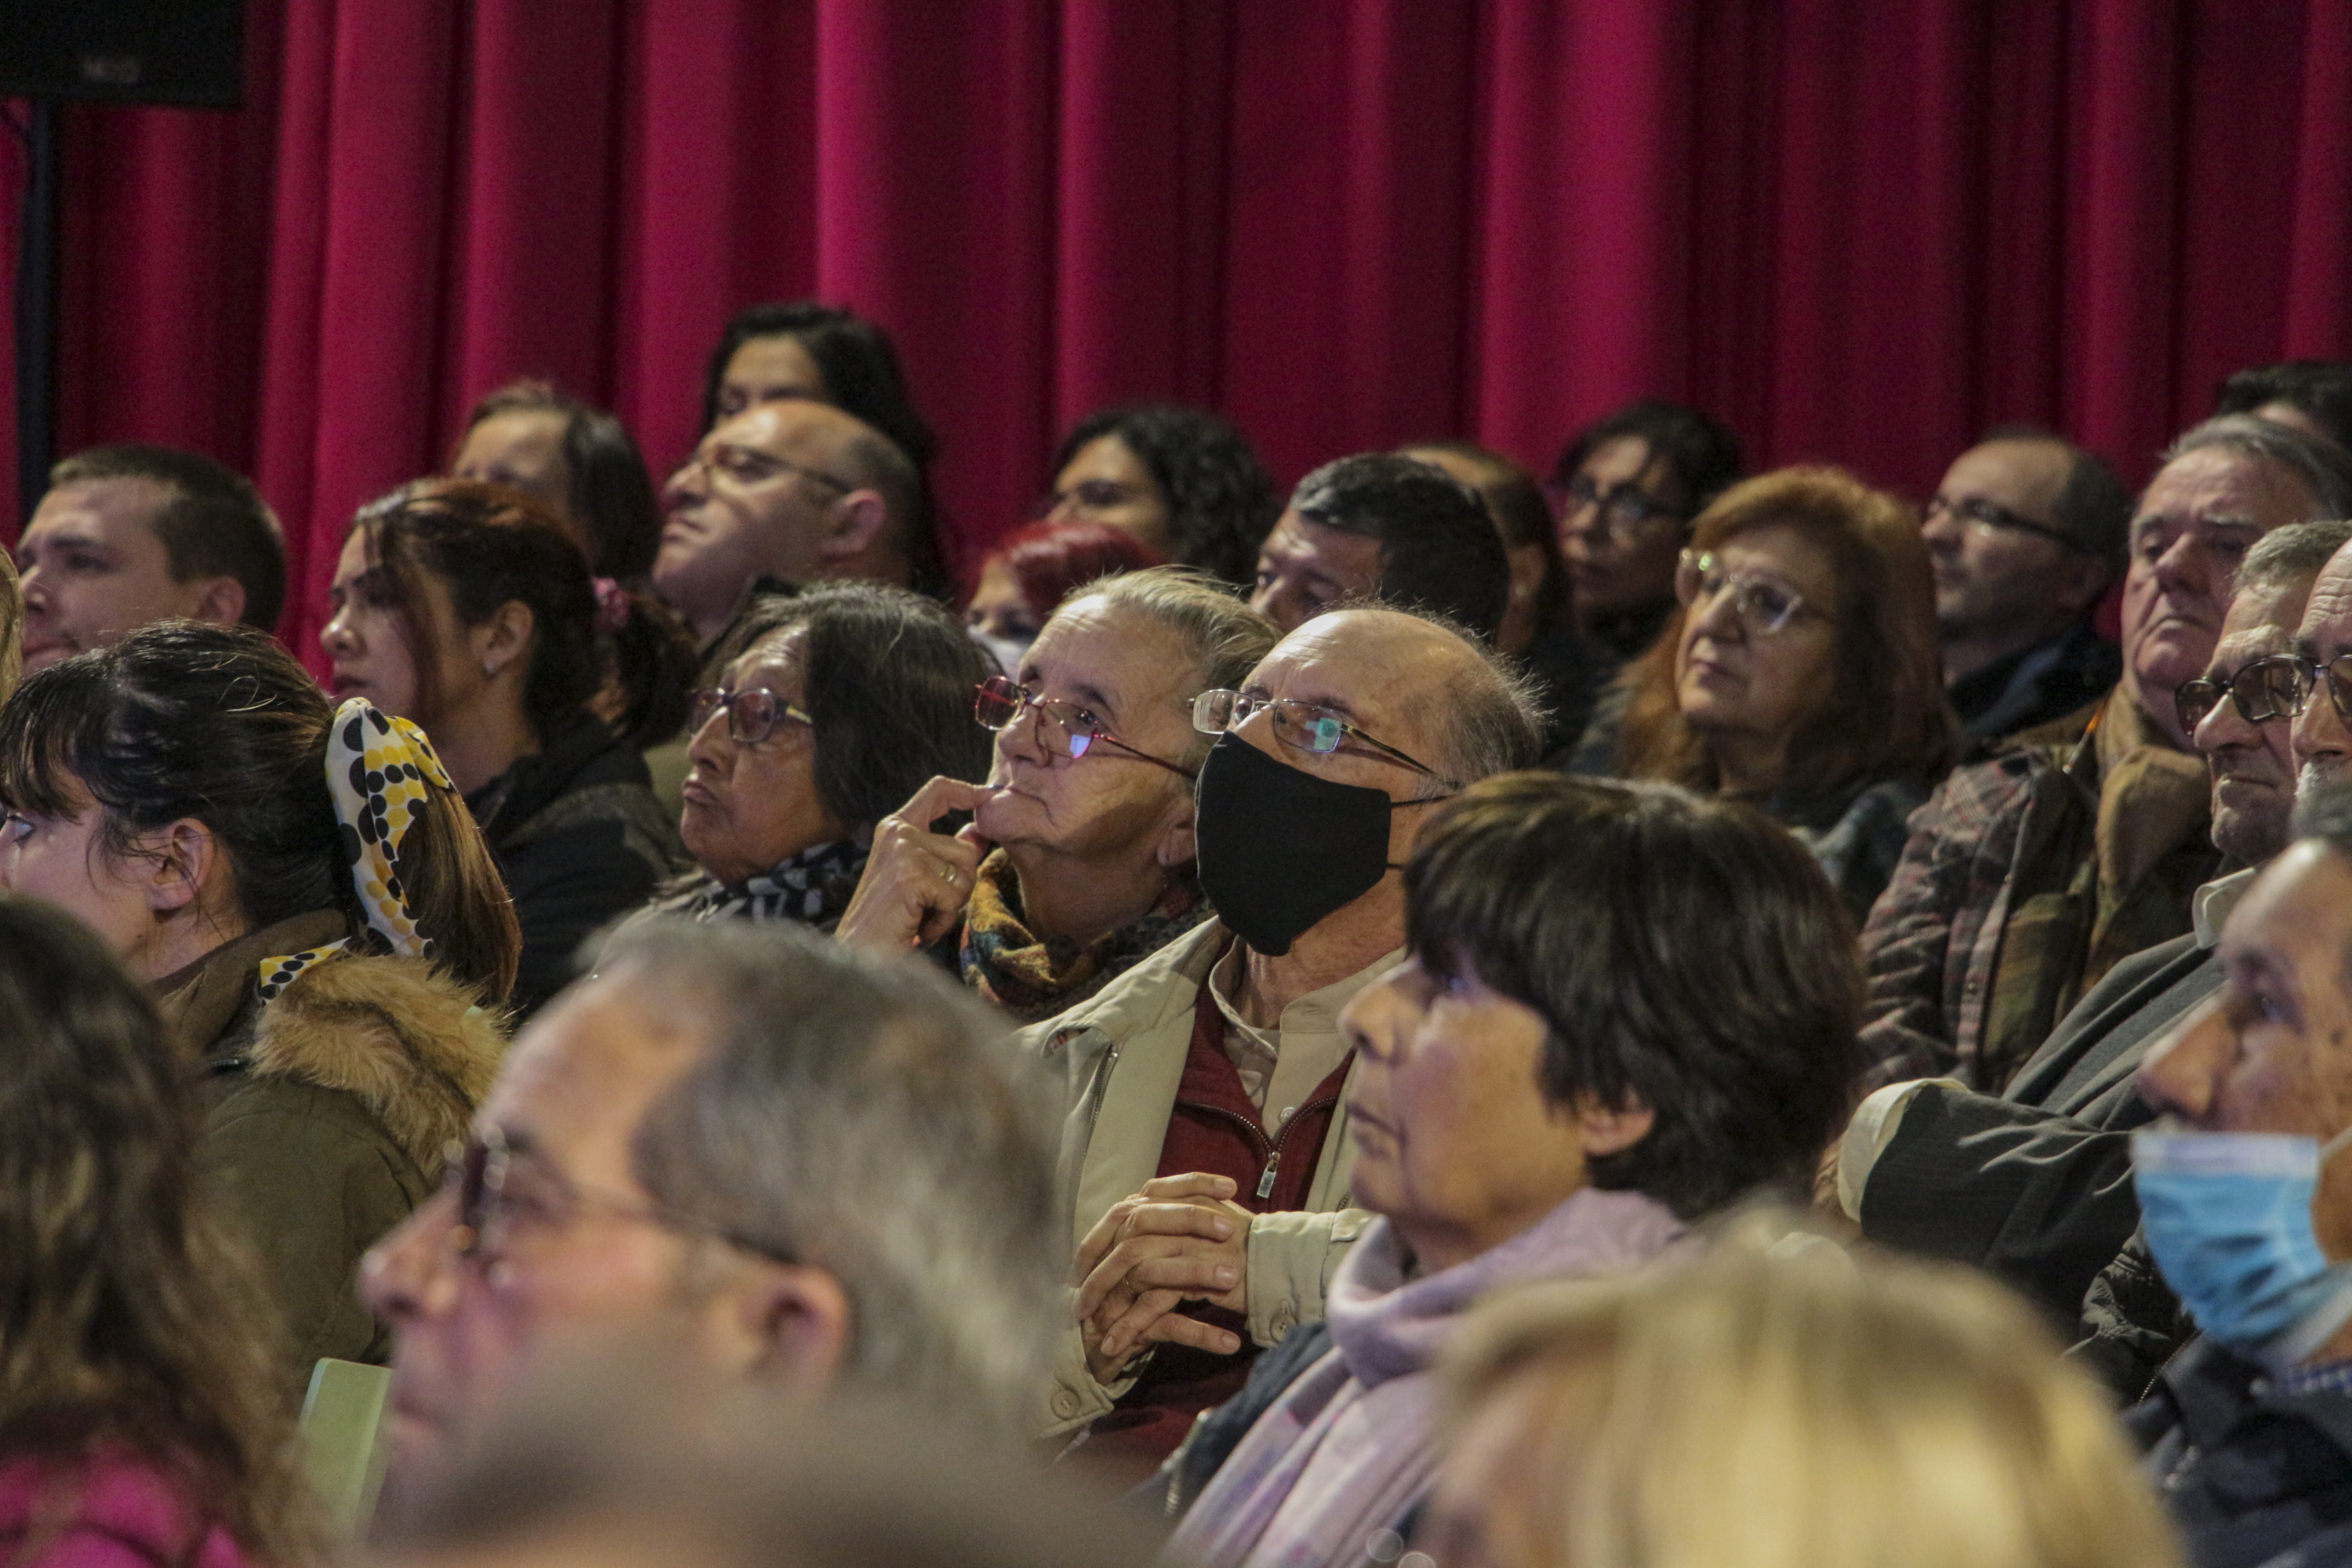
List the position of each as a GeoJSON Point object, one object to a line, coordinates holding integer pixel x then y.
{"type": "Point", "coordinates": [1206, 1148]}
{"type": "Point", "coordinates": [793, 489]}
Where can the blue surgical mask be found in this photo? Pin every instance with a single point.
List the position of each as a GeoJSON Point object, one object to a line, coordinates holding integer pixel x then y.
{"type": "Point", "coordinates": [2228, 1215]}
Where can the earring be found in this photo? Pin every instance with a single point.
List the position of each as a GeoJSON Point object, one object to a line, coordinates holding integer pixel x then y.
{"type": "Point", "coordinates": [489, 669]}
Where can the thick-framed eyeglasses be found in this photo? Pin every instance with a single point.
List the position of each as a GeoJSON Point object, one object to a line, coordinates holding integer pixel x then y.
{"type": "Point", "coordinates": [753, 714]}
{"type": "Point", "coordinates": [2261, 689]}
{"type": "Point", "coordinates": [748, 466]}
{"type": "Point", "coordinates": [1765, 608]}
{"type": "Point", "coordinates": [1986, 517]}
{"type": "Point", "coordinates": [1299, 724]}
{"type": "Point", "coordinates": [1065, 728]}
{"type": "Point", "coordinates": [1621, 508]}
{"type": "Point", "coordinates": [490, 1210]}
{"type": "Point", "coordinates": [2277, 687]}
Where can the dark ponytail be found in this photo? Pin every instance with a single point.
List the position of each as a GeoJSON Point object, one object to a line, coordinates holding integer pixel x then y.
{"type": "Point", "coordinates": [186, 719]}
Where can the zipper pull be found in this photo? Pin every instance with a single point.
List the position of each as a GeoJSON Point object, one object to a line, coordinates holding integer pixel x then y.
{"type": "Point", "coordinates": [1266, 1178]}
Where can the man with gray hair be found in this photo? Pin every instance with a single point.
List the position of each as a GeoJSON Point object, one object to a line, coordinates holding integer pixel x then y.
{"type": "Point", "coordinates": [2034, 1183]}
{"type": "Point", "coordinates": [1205, 1156]}
{"type": "Point", "coordinates": [2030, 875]}
{"type": "Point", "coordinates": [801, 1165]}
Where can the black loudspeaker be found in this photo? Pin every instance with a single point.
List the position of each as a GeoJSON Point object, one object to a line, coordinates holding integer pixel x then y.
{"type": "Point", "coordinates": [187, 52]}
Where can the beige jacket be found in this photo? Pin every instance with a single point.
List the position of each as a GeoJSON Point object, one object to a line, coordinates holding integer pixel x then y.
{"type": "Point", "coordinates": [1121, 1055]}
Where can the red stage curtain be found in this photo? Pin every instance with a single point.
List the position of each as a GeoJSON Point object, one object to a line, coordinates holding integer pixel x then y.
{"type": "Point", "coordinates": [1859, 231]}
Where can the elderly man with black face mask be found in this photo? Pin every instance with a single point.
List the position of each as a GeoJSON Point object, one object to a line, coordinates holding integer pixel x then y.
{"type": "Point", "coordinates": [1205, 1147]}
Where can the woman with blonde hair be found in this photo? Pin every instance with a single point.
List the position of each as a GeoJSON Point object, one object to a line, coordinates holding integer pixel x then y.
{"type": "Point", "coordinates": [1778, 1402]}
{"type": "Point", "coordinates": [1800, 672]}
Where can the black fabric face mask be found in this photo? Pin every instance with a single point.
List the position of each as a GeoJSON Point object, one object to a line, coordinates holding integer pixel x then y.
{"type": "Point", "coordinates": [1280, 847]}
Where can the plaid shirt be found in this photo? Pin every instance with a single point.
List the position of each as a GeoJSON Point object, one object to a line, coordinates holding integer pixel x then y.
{"type": "Point", "coordinates": [2027, 832]}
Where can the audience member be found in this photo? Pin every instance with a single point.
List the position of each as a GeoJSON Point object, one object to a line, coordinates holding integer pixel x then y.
{"type": "Point", "coordinates": [584, 466]}
{"type": "Point", "coordinates": [791, 489]}
{"type": "Point", "coordinates": [2250, 1426]}
{"type": "Point", "coordinates": [1610, 1022]}
{"type": "Point", "coordinates": [1800, 674]}
{"type": "Point", "coordinates": [579, 461]}
{"type": "Point", "coordinates": [1780, 1405]}
{"type": "Point", "coordinates": [142, 1415]}
{"type": "Point", "coordinates": [2315, 395]}
{"type": "Point", "coordinates": [129, 535]}
{"type": "Point", "coordinates": [825, 354]}
{"type": "Point", "coordinates": [2025, 533]}
{"type": "Point", "coordinates": [2030, 875]}
{"type": "Point", "coordinates": [844, 701]}
{"type": "Point", "coordinates": [663, 1466]}
{"type": "Point", "coordinates": [1538, 628]}
{"type": "Point", "coordinates": [1078, 861]}
{"type": "Point", "coordinates": [1034, 569]}
{"type": "Point", "coordinates": [1626, 490]}
{"type": "Point", "coordinates": [467, 609]}
{"type": "Point", "coordinates": [1206, 1144]}
{"type": "Point", "coordinates": [800, 1168]}
{"type": "Point", "coordinates": [1183, 481]}
{"type": "Point", "coordinates": [321, 923]}
{"type": "Point", "coordinates": [2034, 1183]}
{"type": "Point", "coordinates": [1378, 526]}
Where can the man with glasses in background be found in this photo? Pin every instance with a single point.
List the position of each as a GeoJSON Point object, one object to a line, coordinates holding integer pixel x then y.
{"type": "Point", "coordinates": [791, 1165]}
{"type": "Point", "coordinates": [2025, 534]}
{"type": "Point", "coordinates": [1205, 1155]}
{"type": "Point", "coordinates": [2028, 876]}
{"type": "Point", "coordinates": [793, 489]}
{"type": "Point", "coordinates": [2034, 1183]}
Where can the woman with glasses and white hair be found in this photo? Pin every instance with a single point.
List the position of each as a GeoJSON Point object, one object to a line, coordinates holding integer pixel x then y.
{"type": "Point", "coordinates": [1799, 671]}
{"type": "Point", "coordinates": [840, 702]}
{"type": "Point", "coordinates": [1078, 861]}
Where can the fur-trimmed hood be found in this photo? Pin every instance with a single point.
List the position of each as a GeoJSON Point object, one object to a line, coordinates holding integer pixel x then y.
{"type": "Point", "coordinates": [406, 1042]}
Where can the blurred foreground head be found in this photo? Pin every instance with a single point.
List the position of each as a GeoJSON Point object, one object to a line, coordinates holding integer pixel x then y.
{"type": "Point", "coordinates": [802, 1169]}
{"type": "Point", "coordinates": [595, 1467]}
{"type": "Point", "coordinates": [1780, 1403]}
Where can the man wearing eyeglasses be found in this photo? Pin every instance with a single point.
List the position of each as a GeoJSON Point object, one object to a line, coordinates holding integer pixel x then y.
{"type": "Point", "coordinates": [797, 1166]}
{"type": "Point", "coordinates": [2034, 1183]}
{"type": "Point", "coordinates": [793, 489]}
{"type": "Point", "coordinates": [2025, 534]}
{"type": "Point", "coordinates": [2028, 876]}
{"type": "Point", "coordinates": [1205, 1147]}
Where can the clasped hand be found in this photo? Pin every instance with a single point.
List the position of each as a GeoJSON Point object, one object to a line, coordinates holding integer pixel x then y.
{"type": "Point", "coordinates": [1181, 1239]}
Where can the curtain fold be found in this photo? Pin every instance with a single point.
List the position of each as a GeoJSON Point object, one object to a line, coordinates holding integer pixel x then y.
{"type": "Point", "coordinates": [1858, 230]}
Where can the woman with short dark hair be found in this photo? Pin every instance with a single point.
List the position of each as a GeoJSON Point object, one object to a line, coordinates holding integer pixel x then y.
{"type": "Point", "coordinates": [325, 931]}
{"type": "Point", "coordinates": [141, 1409]}
{"type": "Point", "coordinates": [466, 609]}
{"type": "Point", "coordinates": [842, 702]}
{"type": "Point", "coordinates": [1623, 1008]}
{"type": "Point", "coordinates": [1185, 483]}
{"type": "Point", "coordinates": [1800, 672]}
{"type": "Point", "coordinates": [807, 350]}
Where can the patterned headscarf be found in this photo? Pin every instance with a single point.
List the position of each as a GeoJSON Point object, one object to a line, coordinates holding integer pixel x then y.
{"type": "Point", "coordinates": [378, 769]}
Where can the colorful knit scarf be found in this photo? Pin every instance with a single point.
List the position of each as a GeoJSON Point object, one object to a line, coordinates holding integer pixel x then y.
{"type": "Point", "coordinates": [1032, 979]}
